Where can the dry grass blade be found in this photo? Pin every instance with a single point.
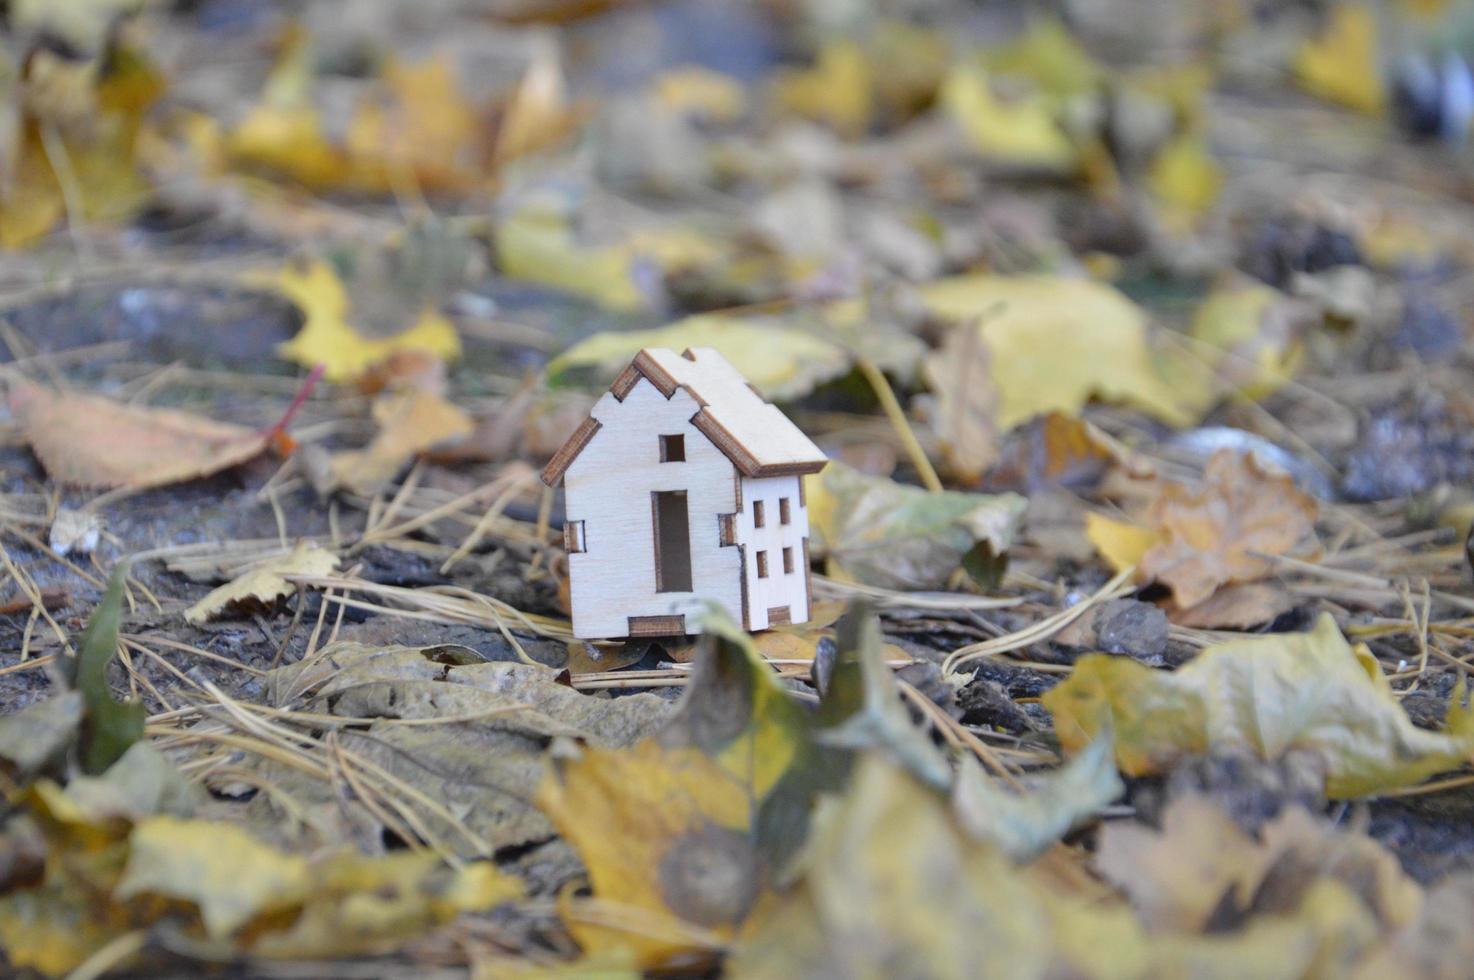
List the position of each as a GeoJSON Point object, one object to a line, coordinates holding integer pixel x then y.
{"type": "Point", "coordinates": [1041, 630]}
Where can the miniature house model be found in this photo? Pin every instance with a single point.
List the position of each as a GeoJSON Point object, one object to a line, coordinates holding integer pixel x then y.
{"type": "Point", "coordinates": [684, 487]}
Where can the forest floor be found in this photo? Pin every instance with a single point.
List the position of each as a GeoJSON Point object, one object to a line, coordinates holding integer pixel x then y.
{"type": "Point", "coordinates": [1142, 609]}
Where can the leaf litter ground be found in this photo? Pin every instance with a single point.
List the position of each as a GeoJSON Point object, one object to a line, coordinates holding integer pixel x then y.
{"type": "Point", "coordinates": [1038, 294]}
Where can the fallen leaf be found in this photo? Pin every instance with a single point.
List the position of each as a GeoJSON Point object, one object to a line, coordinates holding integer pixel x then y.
{"type": "Point", "coordinates": [965, 410]}
{"type": "Point", "coordinates": [538, 113]}
{"type": "Point", "coordinates": [1055, 343]}
{"type": "Point", "coordinates": [539, 244]}
{"type": "Point", "coordinates": [1052, 451]}
{"type": "Point", "coordinates": [140, 784]}
{"type": "Point", "coordinates": [862, 710]}
{"type": "Point", "coordinates": [1343, 65]}
{"type": "Point", "coordinates": [91, 112]}
{"type": "Point", "coordinates": [1236, 607]}
{"type": "Point", "coordinates": [1185, 180]}
{"type": "Point", "coordinates": [410, 423]}
{"type": "Point", "coordinates": [1048, 55]}
{"type": "Point", "coordinates": [782, 364]}
{"type": "Point", "coordinates": [328, 338]}
{"type": "Point", "coordinates": [1121, 543]}
{"type": "Point", "coordinates": [1266, 696]}
{"type": "Point", "coordinates": [38, 735]}
{"type": "Point", "coordinates": [1201, 871]}
{"type": "Point", "coordinates": [1019, 130]}
{"type": "Point", "coordinates": [887, 534]}
{"type": "Point", "coordinates": [677, 831]}
{"type": "Point", "coordinates": [1023, 825]}
{"type": "Point", "coordinates": [835, 92]}
{"type": "Point", "coordinates": [91, 441]}
{"type": "Point", "coordinates": [1260, 333]}
{"type": "Point", "coordinates": [1229, 531]}
{"type": "Point", "coordinates": [891, 885]}
{"type": "Point", "coordinates": [229, 874]}
{"type": "Point", "coordinates": [413, 128]}
{"type": "Point", "coordinates": [109, 727]}
{"type": "Point", "coordinates": [360, 906]}
{"type": "Point", "coordinates": [701, 92]}
{"type": "Point", "coordinates": [263, 586]}
{"type": "Point", "coordinates": [476, 743]}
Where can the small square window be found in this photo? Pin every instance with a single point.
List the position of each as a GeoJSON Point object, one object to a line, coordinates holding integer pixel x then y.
{"type": "Point", "coordinates": [673, 449]}
{"type": "Point", "coordinates": [758, 517]}
{"type": "Point", "coordinates": [784, 515]}
{"type": "Point", "coordinates": [762, 564]}
{"type": "Point", "coordinates": [787, 561]}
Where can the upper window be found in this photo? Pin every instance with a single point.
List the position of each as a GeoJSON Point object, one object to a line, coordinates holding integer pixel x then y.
{"type": "Point", "coordinates": [787, 561]}
{"type": "Point", "coordinates": [762, 564]}
{"type": "Point", "coordinates": [673, 449]}
{"type": "Point", "coordinates": [758, 517]}
{"type": "Point", "coordinates": [784, 516]}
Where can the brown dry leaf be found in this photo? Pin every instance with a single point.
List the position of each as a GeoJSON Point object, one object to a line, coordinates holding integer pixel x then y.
{"type": "Point", "coordinates": [410, 422]}
{"type": "Point", "coordinates": [95, 442]}
{"type": "Point", "coordinates": [966, 404]}
{"type": "Point", "coordinates": [1215, 536]}
{"type": "Point", "coordinates": [1235, 607]}
{"type": "Point", "coordinates": [1053, 450]}
{"type": "Point", "coordinates": [1202, 871]}
{"type": "Point", "coordinates": [263, 586]}
{"type": "Point", "coordinates": [538, 113]}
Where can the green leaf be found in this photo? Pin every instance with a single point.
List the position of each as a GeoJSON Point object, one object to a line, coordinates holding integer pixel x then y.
{"type": "Point", "coordinates": [862, 707]}
{"type": "Point", "coordinates": [37, 735]}
{"type": "Point", "coordinates": [109, 726]}
{"type": "Point", "coordinates": [1025, 825]}
{"type": "Point", "coordinates": [897, 536]}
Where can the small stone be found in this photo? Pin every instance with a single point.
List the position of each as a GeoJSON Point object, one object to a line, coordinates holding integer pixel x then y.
{"type": "Point", "coordinates": [1130, 626]}
{"type": "Point", "coordinates": [984, 702]}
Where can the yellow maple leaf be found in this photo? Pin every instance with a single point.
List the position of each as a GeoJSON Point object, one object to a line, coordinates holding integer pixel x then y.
{"type": "Point", "coordinates": [1054, 343]}
{"type": "Point", "coordinates": [80, 124]}
{"type": "Point", "coordinates": [702, 92]}
{"type": "Point", "coordinates": [327, 338]}
{"type": "Point", "coordinates": [1119, 542]}
{"type": "Point", "coordinates": [1341, 65]}
{"type": "Point", "coordinates": [1308, 692]}
{"type": "Point", "coordinates": [424, 131]}
{"type": "Point", "coordinates": [836, 91]}
{"type": "Point", "coordinates": [1021, 130]}
{"type": "Point", "coordinates": [1185, 180]}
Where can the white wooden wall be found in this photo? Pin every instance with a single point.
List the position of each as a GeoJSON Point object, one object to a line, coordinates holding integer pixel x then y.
{"type": "Point", "coordinates": [608, 487]}
{"type": "Point", "coordinates": [779, 588]}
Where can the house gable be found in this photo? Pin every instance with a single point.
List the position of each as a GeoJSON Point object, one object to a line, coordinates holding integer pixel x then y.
{"type": "Point", "coordinates": [652, 501]}
{"type": "Point", "coordinates": [758, 438]}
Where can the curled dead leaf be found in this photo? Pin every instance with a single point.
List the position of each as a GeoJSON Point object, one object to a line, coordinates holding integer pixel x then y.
{"type": "Point", "coordinates": [264, 585]}
{"type": "Point", "coordinates": [90, 441]}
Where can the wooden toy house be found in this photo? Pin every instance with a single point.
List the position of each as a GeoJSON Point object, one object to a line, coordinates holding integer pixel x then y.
{"type": "Point", "coordinates": [684, 486]}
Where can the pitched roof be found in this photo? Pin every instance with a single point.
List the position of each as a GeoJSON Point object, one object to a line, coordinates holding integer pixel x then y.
{"type": "Point", "coordinates": [758, 438]}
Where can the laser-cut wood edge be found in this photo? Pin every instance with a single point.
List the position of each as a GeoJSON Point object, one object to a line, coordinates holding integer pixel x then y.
{"type": "Point", "coordinates": [657, 625]}
{"type": "Point", "coordinates": [645, 366]}
{"type": "Point", "coordinates": [553, 473]}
